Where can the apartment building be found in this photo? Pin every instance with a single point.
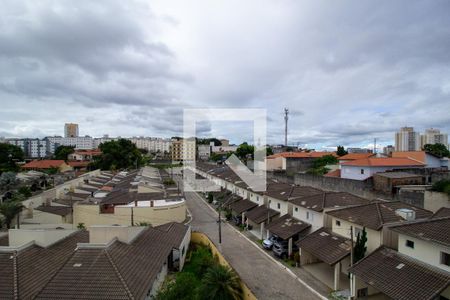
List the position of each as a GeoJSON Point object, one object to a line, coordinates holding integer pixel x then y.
{"type": "Point", "coordinates": [183, 150]}
{"type": "Point", "coordinates": [33, 148]}
{"type": "Point", "coordinates": [80, 142]}
{"type": "Point", "coordinates": [152, 144]}
{"type": "Point", "coordinates": [70, 130]}
{"type": "Point", "coordinates": [433, 136]}
{"type": "Point", "coordinates": [407, 140]}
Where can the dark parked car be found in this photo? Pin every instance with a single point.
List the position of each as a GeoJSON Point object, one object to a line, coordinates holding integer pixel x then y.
{"type": "Point", "coordinates": [237, 220]}
{"type": "Point", "coordinates": [280, 248]}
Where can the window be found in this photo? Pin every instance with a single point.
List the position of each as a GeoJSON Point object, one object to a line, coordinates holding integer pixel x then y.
{"type": "Point", "coordinates": [307, 215]}
{"type": "Point", "coordinates": [409, 244]}
{"type": "Point", "coordinates": [362, 171]}
{"type": "Point", "coordinates": [278, 205]}
{"type": "Point", "coordinates": [338, 223]}
{"type": "Point", "coordinates": [445, 258]}
{"type": "Point", "coordinates": [257, 199]}
{"type": "Point", "coordinates": [296, 209]}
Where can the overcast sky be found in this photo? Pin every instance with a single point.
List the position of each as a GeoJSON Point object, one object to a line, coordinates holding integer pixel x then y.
{"type": "Point", "coordinates": [349, 71]}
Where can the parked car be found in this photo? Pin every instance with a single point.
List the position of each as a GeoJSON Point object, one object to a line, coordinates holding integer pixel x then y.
{"type": "Point", "coordinates": [280, 248]}
{"type": "Point", "coordinates": [268, 243]}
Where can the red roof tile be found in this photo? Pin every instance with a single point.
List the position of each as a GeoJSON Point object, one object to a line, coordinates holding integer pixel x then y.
{"type": "Point", "coordinates": [384, 162]}
{"type": "Point", "coordinates": [354, 156]}
{"type": "Point", "coordinates": [301, 154]}
{"type": "Point", "coordinates": [43, 164]}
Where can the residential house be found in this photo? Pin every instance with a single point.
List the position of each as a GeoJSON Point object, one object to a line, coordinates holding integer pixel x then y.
{"type": "Point", "coordinates": [389, 182]}
{"type": "Point", "coordinates": [106, 262]}
{"type": "Point", "coordinates": [431, 161]}
{"type": "Point", "coordinates": [293, 162]}
{"type": "Point", "coordinates": [354, 156]}
{"type": "Point", "coordinates": [418, 269]}
{"type": "Point", "coordinates": [46, 164]}
{"type": "Point", "coordinates": [362, 169]}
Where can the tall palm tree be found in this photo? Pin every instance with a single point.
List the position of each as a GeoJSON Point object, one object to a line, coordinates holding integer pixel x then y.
{"type": "Point", "coordinates": [220, 283]}
{"type": "Point", "coordinates": [9, 210]}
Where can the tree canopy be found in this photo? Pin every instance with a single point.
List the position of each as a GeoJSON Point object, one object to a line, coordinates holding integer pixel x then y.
{"type": "Point", "coordinates": [62, 152]}
{"type": "Point", "coordinates": [341, 151]}
{"type": "Point", "coordinates": [9, 210]}
{"type": "Point", "coordinates": [360, 246]}
{"type": "Point", "coordinates": [9, 154]}
{"type": "Point", "coordinates": [245, 150]}
{"type": "Point", "coordinates": [120, 154]}
{"type": "Point", "coordinates": [440, 150]}
{"type": "Point", "coordinates": [216, 141]}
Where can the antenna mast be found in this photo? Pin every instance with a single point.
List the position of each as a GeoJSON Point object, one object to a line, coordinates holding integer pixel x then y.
{"type": "Point", "coordinates": [286, 117]}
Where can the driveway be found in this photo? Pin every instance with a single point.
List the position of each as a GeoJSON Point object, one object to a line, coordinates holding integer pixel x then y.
{"type": "Point", "coordinates": [267, 279]}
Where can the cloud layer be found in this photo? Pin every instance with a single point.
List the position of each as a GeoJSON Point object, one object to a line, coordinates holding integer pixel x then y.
{"type": "Point", "coordinates": [348, 71]}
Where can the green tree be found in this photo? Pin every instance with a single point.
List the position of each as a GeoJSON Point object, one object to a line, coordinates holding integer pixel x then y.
{"type": "Point", "coordinates": [245, 150]}
{"type": "Point", "coordinates": [439, 150]}
{"type": "Point", "coordinates": [9, 210]}
{"type": "Point", "coordinates": [269, 151]}
{"type": "Point", "coordinates": [341, 151]}
{"type": "Point", "coordinates": [62, 152]}
{"type": "Point", "coordinates": [25, 191]}
{"type": "Point", "coordinates": [9, 154]}
{"type": "Point", "coordinates": [360, 246]}
{"type": "Point", "coordinates": [442, 186]}
{"type": "Point", "coordinates": [81, 226]}
{"type": "Point", "coordinates": [220, 283]}
{"type": "Point", "coordinates": [7, 180]}
{"type": "Point", "coordinates": [183, 288]}
{"type": "Point", "coordinates": [120, 154]}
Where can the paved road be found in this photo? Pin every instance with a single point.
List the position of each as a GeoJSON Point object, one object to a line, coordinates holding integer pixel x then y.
{"type": "Point", "coordinates": [267, 279]}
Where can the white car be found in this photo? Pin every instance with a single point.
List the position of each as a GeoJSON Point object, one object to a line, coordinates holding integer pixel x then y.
{"type": "Point", "coordinates": [268, 243]}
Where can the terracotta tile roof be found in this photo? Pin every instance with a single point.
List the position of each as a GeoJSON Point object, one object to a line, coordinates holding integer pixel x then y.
{"type": "Point", "coordinates": [56, 210]}
{"type": "Point", "coordinates": [416, 155]}
{"type": "Point", "coordinates": [301, 154]}
{"type": "Point", "coordinates": [43, 164]}
{"type": "Point", "coordinates": [384, 162]}
{"type": "Point", "coordinates": [329, 200]}
{"type": "Point", "coordinates": [287, 226]}
{"type": "Point", "coordinates": [89, 152]}
{"type": "Point", "coordinates": [399, 276]}
{"type": "Point", "coordinates": [326, 246]}
{"type": "Point", "coordinates": [242, 206]}
{"type": "Point", "coordinates": [434, 230]}
{"type": "Point", "coordinates": [355, 156]}
{"type": "Point", "coordinates": [375, 215]}
{"type": "Point", "coordinates": [442, 212]}
{"type": "Point", "coordinates": [334, 173]}
{"type": "Point", "coordinates": [259, 214]}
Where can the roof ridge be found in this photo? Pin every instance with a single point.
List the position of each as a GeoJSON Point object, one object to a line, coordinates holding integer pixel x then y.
{"type": "Point", "coordinates": [116, 270]}
{"type": "Point", "coordinates": [380, 215]}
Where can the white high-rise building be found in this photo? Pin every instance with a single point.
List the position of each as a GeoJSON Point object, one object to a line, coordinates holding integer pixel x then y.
{"type": "Point", "coordinates": [152, 144]}
{"type": "Point", "coordinates": [434, 136]}
{"type": "Point", "coordinates": [407, 140]}
{"type": "Point", "coordinates": [81, 142]}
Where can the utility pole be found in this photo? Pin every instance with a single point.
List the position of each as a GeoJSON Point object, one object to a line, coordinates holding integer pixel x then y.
{"type": "Point", "coordinates": [375, 146]}
{"type": "Point", "coordinates": [132, 216]}
{"type": "Point", "coordinates": [18, 220]}
{"type": "Point", "coordinates": [286, 118]}
{"type": "Point", "coordinates": [351, 251]}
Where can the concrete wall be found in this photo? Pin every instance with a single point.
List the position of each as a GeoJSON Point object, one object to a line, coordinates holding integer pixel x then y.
{"type": "Point", "coordinates": [200, 238]}
{"type": "Point", "coordinates": [90, 215]}
{"type": "Point", "coordinates": [435, 200]}
{"type": "Point", "coordinates": [278, 205]}
{"type": "Point", "coordinates": [374, 237]}
{"type": "Point", "coordinates": [427, 252]}
{"type": "Point", "coordinates": [274, 164]}
{"type": "Point", "coordinates": [309, 216]}
{"type": "Point", "coordinates": [42, 237]}
{"type": "Point", "coordinates": [40, 217]}
{"type": "Point", "coordinates": [354, 172]}
{"type": "Point", "coordinates": [104, 234]}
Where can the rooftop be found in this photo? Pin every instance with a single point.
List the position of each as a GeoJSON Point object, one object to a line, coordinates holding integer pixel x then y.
{"type": "Point", "coordinates": [312, 154]}
{"type": "Point", "coordinates": [242, 206]}
{"type": "Point", "coordinates": [324, 200]}
{"type": "Point", "coordinates": [326, 246]}
{"type": "Point", "coordinates": [43, 164]}
{"type": "Point", "coordinates": [397, 175]}
{"type": "Point", "coordinates": [261, 214]}
{"type": "Point", "coordinates": [384, 162]}
{"type": "Point", "coordinates": [287, 226]}
{"type": "Point", "coordinates": [399, 276]}
{"type": "Point", "coordinates": [434, 230]}
{"type": "Point", "coordinates": [375, 215]}
{"type": "Point", "coordinates": [355, 156]}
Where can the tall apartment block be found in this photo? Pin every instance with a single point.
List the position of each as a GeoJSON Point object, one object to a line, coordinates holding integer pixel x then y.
{"type": "Point", "coordinates": [70, 130]}
{"type": "Point", "coordinates": [407, 140]}
{"type": "Point", "coordinates": [434, 136]}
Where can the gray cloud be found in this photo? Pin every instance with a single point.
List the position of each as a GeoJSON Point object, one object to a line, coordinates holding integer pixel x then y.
{"type": "Point", "coordinates": [348, 71]}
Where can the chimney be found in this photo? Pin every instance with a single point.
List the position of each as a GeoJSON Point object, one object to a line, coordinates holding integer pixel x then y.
{"type": "Point", "coordinates": [152, 203]}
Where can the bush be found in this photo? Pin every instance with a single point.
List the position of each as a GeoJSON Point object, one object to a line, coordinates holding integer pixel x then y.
{"type": "Point", "coordinates": [26, 191]}
{"type": "Point", "coordinates": [210, 197]}
{"type": "Point", "coordinates": [184, 287]}
{"type": "Point", "coordinates": [442, 186]}
{"type": "Point", "coordinates": [228, 215]}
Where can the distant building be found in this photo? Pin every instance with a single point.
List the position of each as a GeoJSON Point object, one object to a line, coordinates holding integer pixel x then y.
{"type": "Point", "coordinates": [359, 150]}
{"type": "Point", "coordinates": [292, 162]}
{"type": "Point", "coordinates": [388, 150]}
{"type": "Point", "coordinates": [433, 136]}
{"type": "Point", "coordinates": [225, 142]}
{"type": "Point", "coordinates": [152, 144]}
{"type": "Point", "coordinates": [33, 148]}
{"type": "Point", "coordinates": [81, 142]}
{"type": "Point", "coordinates": [42, 165]}
{"type": "Point", "coordinates": [183, 150]}
{"type": "Point", "coordinates": [204, 152]}
{"type": "Point", "coordinates": [407, 140]}
{"type": "Point", "coordinates": [70, 130]}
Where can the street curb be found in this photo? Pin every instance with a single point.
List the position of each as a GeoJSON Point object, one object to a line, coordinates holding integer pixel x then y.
{"type": "Point", "coordinates": [265, 253]}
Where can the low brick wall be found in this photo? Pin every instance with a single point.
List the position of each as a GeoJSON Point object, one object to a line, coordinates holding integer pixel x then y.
{"type": "Point", "coordinates": [202, 239]}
